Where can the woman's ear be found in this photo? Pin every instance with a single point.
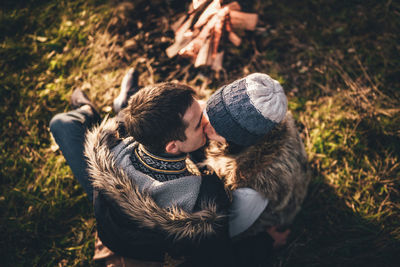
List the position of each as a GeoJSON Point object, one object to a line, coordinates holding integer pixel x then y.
{"type": "Point", "coordinates": [172, 148]}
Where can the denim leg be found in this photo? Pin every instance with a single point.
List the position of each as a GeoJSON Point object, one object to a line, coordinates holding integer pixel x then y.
{"type": "Point", "coordinates": [69, 131]}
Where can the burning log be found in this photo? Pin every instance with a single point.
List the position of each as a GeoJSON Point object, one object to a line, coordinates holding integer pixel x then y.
{"type": "Point", "coordinates": [198, 33]}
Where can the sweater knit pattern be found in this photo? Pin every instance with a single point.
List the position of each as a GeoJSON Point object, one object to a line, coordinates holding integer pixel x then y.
{"type": "Point", "coordinates": [160, 168]}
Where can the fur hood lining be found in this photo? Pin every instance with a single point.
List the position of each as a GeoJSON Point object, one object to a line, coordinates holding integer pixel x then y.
{"type": "Point", "coordinates": [139, 206]}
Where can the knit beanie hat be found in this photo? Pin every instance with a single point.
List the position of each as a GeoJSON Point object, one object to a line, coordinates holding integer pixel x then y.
{"type": "Point", "coordinates": [247, 109]}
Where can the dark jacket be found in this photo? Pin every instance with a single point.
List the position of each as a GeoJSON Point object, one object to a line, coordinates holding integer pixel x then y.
{"type": "Point", "coordinates": [132, 224]}
{"type": "Point", "coordinates": [276, 167]}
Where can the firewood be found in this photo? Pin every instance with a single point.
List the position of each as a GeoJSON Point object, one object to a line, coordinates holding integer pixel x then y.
{"type": "Point", "coordinates": [233, 6]}
{"type": "Point", "coordinates": [177, 46]}
{"type": "Point", "coordinates": [203, 54]}
{"type": "Point", "coordinates": [217, 64]}
{"type": "Point", "coordinates": [242, 20]}
{"type": "Point", "coordinates": [211, 10]}
{"type": "Point", "coordinates": [198, 34]}
{"type": "Point", "coordinates": [234, 38]}
{"type": "Point", "coordinates": [198, 3]}
{"type": "Point", "coordinates": [175, 26]}
{"type": "Point", "coordinates": [184, 27]}
{"type": "Point", "coordinates": [182, 38]}
{"type": "Point", "coordinates": [193, 47]}
{"type": "Point", "coordinates": [218, 30]}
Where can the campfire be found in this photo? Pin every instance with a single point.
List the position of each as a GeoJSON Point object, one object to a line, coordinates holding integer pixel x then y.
{"type": "Point", "coordinates": [199, 32]}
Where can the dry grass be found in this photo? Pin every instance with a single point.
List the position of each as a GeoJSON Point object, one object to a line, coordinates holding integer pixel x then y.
{"type": "Point", "coordinates": [338, 62]}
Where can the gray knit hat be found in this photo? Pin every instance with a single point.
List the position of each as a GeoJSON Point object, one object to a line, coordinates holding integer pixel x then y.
{"type": "Point", "coordinates": [247, 109]}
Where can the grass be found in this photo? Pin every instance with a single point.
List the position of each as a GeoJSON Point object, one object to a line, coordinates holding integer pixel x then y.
{"type": "Point", "coordinates": [338, 62]}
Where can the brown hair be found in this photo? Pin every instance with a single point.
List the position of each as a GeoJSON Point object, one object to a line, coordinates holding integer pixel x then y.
{"type": "Point", "coordinates": [154, 115]}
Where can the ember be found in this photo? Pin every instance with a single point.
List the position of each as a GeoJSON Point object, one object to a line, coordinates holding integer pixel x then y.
{"type": "Point", "coordinates": [198, 33]}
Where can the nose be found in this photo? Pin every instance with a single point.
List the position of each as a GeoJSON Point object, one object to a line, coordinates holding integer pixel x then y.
{"type": "Point", "coordinates": [212, 134]}
{"type": "Point", "coordinates": [204, 120]}
{"type": "Point", "coordinates": [208, 129]}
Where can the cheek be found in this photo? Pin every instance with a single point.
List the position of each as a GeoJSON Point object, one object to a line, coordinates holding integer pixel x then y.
{"type": "Point", "coordinates": [199, 136]}
{"type": "Point", "coordinates": [195, 137]}
{"type": "Point", "coordinates": [209, 131]}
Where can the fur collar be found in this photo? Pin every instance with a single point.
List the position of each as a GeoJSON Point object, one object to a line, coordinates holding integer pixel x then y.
{"type": "Point", "coordinates": [137, 205]}
{"type": "Point", "coordinates": [277, 169]}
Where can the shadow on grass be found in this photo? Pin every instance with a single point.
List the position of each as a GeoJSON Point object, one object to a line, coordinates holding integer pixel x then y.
{"type": "Point", "coordinates": [39, 231]}
{"type": "Point", "coordinates": [328, 233]}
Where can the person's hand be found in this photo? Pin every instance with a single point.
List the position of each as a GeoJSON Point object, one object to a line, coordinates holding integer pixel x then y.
{"type": "Point", "coordinates": [279, 237]}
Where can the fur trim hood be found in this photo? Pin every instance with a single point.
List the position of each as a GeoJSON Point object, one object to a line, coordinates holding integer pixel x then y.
{"type": "Point", "coordinates": [278, 170]}
{"type": "Point", "coordinates": [136, 204]}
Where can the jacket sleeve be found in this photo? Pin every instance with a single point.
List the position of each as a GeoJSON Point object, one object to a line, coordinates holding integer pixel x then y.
{"type": "Point", "coordinates": [215, 249]}
{"type": "Point", "coordinates": [123, 236]}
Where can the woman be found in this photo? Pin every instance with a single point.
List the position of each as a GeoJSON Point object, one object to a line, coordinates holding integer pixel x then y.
{"type": "Point", "coordinates": [256, 149]}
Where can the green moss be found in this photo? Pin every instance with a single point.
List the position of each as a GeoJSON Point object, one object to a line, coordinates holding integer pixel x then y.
{"type": "Point", "coordinates": [338, 62]}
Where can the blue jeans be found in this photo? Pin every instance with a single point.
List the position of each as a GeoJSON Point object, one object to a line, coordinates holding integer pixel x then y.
{"type": "Point", "coordinates": [69, 131]}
